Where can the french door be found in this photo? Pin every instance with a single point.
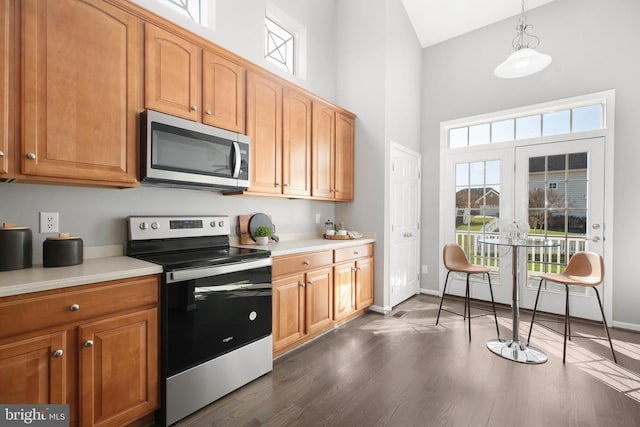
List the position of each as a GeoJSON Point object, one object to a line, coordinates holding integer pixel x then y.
{"type": "Point", "coordinates": [559, 190]}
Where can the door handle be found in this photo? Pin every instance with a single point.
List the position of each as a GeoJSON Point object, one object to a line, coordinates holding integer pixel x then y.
{"type": "Point", "coordinates": [595, 239]}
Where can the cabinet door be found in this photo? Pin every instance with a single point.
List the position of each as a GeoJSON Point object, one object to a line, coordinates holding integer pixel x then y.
{"type": "Point", "coordinates": [5, 49]}
{"type": "Point", "coordinates": [172, 71]}
{"type": "Point", "coordinates": [319, 300]}
{"type": "Point", "coordinates": [118, 368]}
{"type": "Point", "coordinates": [264, 126]}
{"type": "Point", "coordinates": [288, 311]}
{"type": "Point", "coordinates": [223, 84]}
{"type": "Point", "coordinates": [344, 160]}
{"type": "Point", "coordinates": [343, 302]}
{"type": "Point", "coordinates": [32, 372]}
{"type": "Point", "coordinates": [81, 91]}
{"type": "Point", "coordinates": [296, 143]}
{"type": "Point", "coordinates": [364, 283]}
{"type": "Point", "coordinates": [323, 142]}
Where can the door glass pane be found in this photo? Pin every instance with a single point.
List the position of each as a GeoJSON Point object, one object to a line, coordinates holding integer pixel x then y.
{"type": "Point", "coordinates": [478, 210]}
{"type": "Point", "coordinates": [558, 189]}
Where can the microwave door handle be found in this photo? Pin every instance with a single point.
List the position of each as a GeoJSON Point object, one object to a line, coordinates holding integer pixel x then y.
{"type": "Point", "coordinates": [237, 159]}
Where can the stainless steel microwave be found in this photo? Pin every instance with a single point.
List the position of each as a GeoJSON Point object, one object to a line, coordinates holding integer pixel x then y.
{"type": "Point", "coordinates": [180, 153]}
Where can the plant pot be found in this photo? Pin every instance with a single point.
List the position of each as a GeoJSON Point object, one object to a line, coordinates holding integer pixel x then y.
{"type": "Point", "coordinates": [262, 240]}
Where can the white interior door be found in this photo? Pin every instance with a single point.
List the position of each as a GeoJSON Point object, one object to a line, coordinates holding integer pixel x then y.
{"type": "Point", "coordinates": [405, 224]}
{"type": "Point", "coordinates": [560, 191]}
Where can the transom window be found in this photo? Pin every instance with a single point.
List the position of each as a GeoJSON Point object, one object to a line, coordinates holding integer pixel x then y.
{"type": "Point", "coordinates": [189, 8]}
{"type": "Point", "coordinates": [279, 46]}
{"type": "Point", "coordinates": [570, 120]}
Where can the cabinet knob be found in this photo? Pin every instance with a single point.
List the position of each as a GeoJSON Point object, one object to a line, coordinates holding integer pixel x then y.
{"type": "Point", "coordinates": [306, 262]}
{"type": "Point", "coordinates": [208, 112]}
{"type": "Point", "coordinates": [355, 253]}
{"type": "Point", "coordinates": [286, 185]}
{"type": "Point", "coordinates": [58, 353]}
{"type": "Point", "coordinates": [277, 184]}
{"type": "Point", "coordinates": [302, 284]}
{"type": "Point", "coordinates": [310, 282]}
{"type": "Point", "coordinates": [88, 343]}
{"type": "Point", "coordinates": [194, 107]}
{"type": "Point", "coordinates": [1, 153]}
{"type": "Point", "coordinates": [74, 307]}
{"type": "Point", "coordinates": [31, 156]}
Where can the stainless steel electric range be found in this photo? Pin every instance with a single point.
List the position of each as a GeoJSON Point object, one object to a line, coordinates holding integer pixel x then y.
{"type": "Point", "coordinates": [216, 309]}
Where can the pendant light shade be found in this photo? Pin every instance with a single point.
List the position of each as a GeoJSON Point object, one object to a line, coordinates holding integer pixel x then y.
{"type": "Point", "coordinates": [522, 63]}
{"type": "Point", "coordinates": [525, 60]}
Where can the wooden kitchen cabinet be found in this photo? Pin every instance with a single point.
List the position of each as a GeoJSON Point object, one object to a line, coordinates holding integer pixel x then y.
{"type": "Point", "coordinates": [333, 153]}
{"type": "Point", "coordinates": [296, 143]}
{"type": "Point", "coordinates": [354, 278]}
{"type": "Point", "coordinates": [172, 74]}
{"type": "Point", "coordinates": [81, 87]}
{"type": "Point", "coordinates": [7, 125]}
{"type": "Point", "coordinates": [185, 80]}
{"type": "Point", "coordinates": [94, 347]}
{"type": "Point", "coordinates": [33, 370]}
{"type": "Point", "coordinates": [302, 302]}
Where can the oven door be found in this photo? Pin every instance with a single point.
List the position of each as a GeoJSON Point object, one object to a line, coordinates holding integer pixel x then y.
{"type": "Point", "coordinates": [209, 316]}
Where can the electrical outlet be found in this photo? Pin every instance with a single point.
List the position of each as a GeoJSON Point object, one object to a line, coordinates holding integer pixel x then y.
{"type": "Point", "coordinates": [49, 222]}
{"type": "Point", "coordinates": [425, 269]}
{"type": "Point", "coordinates": [317, 218]}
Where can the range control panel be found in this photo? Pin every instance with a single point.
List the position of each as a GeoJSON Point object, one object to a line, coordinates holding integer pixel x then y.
{"type": "Point", "coordinates": [169, 227]}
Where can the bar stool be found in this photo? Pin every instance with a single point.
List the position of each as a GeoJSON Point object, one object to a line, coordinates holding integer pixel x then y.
{"type": "Point", "coordinates": [584, 269]}
{"type": "Point", "coordinates": [455, 260]}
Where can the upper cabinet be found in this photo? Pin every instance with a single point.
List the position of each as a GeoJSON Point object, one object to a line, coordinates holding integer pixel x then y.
{"type": "Point", "coordinates": [186, 81]}
{"type": "Point", "coordinates": [333, 153]}
{"type": "Point", "coordinates": [279, 124]}
{"type": "Point", "coordinates": [81, 71]}
{"type": "Point", "coordinates": [6, 42]}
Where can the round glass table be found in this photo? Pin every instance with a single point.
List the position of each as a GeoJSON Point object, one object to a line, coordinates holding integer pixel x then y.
{"type": "Point", "coordinates": [514, 349]}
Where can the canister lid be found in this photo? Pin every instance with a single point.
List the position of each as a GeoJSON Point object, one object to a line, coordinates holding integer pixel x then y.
{"type": "Point", "coordinates": [11, 226]}
{"type": "Point", "coordinates": [63, 236]}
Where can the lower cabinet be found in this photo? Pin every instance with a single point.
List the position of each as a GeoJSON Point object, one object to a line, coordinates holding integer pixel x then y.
{"type": "Point", "coordinates": [102, 362]}
{"type": "Point", "coordinates": [315, 291]}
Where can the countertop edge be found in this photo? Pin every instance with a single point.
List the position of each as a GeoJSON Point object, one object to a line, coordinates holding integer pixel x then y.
{"type": "Point", "coordinates": [292, 247]}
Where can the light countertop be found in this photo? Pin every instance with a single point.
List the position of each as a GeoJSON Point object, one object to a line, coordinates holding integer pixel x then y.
{"type": "Point", "coordinates": [288, 247]}
{"type": "Point", "coordinates": [94, 270]}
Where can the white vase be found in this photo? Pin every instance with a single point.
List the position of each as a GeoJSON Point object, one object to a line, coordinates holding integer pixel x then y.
{"type": "Point", "coordinates": [262, 240]}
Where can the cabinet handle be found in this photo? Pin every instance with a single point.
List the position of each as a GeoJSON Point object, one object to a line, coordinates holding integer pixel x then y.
{"type": "Point", "coordinates": [31, 156]}
{"type": "Point", "coordinates": [302, 284]}
{"type": "Point", "coordinates": [194, 107]}
{"type": "Point", "coordinates": [310, 282]}
{"type": "Point", "coordinates": [277, 184]}
{"type": "Point", "coordinates": [306, 262]}
{"type": "Point", "coordinates": [208, 112]}
{"type": "Point", "coordinates": [1, 153]}
{"type": "Point", "coordinates": [74, 307]}
{"type": "Point", "coordinates": [286, 185]}
{"type": "Point", "coordinates": [355, 253]}
{"type": "Point", "coordinates": [88, 343]}
{"type": "Point", "coordinates": [58, 353]}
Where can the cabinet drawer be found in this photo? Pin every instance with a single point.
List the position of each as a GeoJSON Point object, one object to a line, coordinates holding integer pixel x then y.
{"type": "Point", "coordinates": [297, 263]}
{"type": "Point", "coordinates": [50, 308]}
{"type": "Point", "coordinates": [353, 252]}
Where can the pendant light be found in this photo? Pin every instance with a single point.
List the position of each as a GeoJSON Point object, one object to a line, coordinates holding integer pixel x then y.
{"type": "Point", "coordinates": [525, 60]}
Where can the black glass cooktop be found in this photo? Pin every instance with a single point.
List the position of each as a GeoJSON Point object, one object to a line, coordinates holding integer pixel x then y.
{"type": "Point", "coordinates": [202, 257]}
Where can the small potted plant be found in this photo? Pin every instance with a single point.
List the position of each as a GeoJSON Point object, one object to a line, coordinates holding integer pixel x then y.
{"type": "Point", "coordinates": [262, 235]}
{"type": "Point", "coordinates": [340, 231]}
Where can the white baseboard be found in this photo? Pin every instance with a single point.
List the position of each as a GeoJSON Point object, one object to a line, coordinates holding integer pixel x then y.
{"type": "Point", "coordinates": [624, 325]}
{"type": "Point", "coordinates": [430, 292]}
{"type": "Point", "coordinates": [381, 310]}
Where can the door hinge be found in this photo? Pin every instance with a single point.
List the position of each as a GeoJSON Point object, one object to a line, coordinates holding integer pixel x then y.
{"type": "Point", "coordinates": [418, 226]}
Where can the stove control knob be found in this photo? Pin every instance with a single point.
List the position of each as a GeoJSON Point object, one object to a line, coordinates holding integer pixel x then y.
{"type": "Point", "coordinates": [155, 225]}
{"type": "Point", "coordinates": [213, 224]}
{"type": "Point", "coordinates": [253, 315]}
{"type": "Point", "coordinates": [144, 226]}
{"type": "Point", "coordinates": [220, 223]}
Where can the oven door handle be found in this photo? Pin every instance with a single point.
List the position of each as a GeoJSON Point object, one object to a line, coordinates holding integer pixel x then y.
{"type": "Point", "coordinates": [199, 273]}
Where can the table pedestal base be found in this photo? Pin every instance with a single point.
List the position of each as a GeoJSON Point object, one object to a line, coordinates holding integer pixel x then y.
{"type": "Point", "coordinates": [516, 351]}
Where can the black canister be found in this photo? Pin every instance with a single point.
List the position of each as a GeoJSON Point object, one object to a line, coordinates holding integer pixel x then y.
{"type": "Point", "coordinates": [15, 247]}
{"type": "Point", "coordinates": [62, 251]}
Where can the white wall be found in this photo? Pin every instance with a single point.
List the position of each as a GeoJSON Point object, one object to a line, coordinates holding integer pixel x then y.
{"type": "Point", "coordinates": [378, 78]}
{"type": "Point", "coordinates": [98, 215]}
{"type": "Point", "coordinates": [594, 47]}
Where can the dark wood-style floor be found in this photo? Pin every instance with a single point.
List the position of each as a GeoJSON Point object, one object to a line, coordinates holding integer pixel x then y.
{"type": "Point", "coordinates": [402, 370]}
